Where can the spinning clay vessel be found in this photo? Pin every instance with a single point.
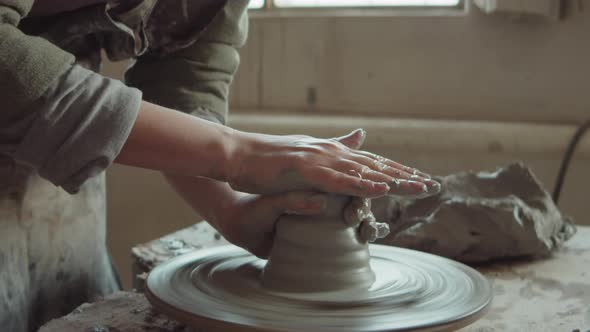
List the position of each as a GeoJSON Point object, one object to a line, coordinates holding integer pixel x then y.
{"type": "Point", "coordinates": [321, 275]}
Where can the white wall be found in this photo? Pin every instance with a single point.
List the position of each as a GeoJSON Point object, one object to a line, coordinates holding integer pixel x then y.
{"type": "Point", "coordinates": [523, 85]}
{"type": "Point", "coordinates": [470, 66]}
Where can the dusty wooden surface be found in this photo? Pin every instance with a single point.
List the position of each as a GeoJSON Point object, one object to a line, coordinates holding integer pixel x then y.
{"type": "Point", "coordinates": [546, 295]}
{"type": "Point", "coordinates": [122, 311]}
{"type": "Point", "coordinates": [150, 254]}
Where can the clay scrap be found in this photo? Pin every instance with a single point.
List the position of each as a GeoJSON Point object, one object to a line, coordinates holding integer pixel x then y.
{"type": "Point", "coordinates": [479, 217]}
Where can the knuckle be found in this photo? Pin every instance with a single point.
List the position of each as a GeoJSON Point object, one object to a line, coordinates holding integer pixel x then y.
{"type": "Point", "coordinates": [380, 166]}
{"type": "Point", "coordinates": [300, 157]}
{"type": "Point", "coordinates": [365, 170]}
{"type": "Point", "coordinates": [309, 149]}
{"type": "Point", "coordinates": [332, 145]}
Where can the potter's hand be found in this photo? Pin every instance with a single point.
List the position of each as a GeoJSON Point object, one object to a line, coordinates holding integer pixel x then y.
{"type": "Point", "coordinates": [249, 220]}
{"type": "Point", "coordinates": [267, 164]}
{"type": "Point", "coordinates": [358, 214]}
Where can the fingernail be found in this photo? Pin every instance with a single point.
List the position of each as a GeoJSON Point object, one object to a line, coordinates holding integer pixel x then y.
{"type": "Point", "coordinates": [424, 188]}
{"type": "Point", "coordinates": [416, 190]}
{"type": "Point", "coordinates": [380, 186]}
{"type": "Point", "coordinates": [382, 230]}
{"type": "Point", "coordinates": [360, 134]}
{"type": "Point", "coordinates": [363, 132]}
{"type": "Point", "coordinates": [433, 186]}
{"type": "Point", "coordinates": [422, 174]}
{"type": "Point", "coordinates": [416, 177]}
{"type": "Point", "coordinates": [409, 188]}
{"type": "Point", "coordinates": [368, 231]}
{"type": "Point", "coordinates": [418, 185]}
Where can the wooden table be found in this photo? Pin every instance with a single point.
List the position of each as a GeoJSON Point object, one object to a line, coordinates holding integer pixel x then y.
{"type": "Point", "coordinates": [549, 295]}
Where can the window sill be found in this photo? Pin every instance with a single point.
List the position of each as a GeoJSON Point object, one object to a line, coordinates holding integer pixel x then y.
{"type": "Point", "coordinates": [460, 11]}
{"type": "Point", "coordinates": [397, 134]}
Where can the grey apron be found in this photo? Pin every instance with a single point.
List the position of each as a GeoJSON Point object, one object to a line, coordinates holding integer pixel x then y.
{"type": "Point", "coordinates": [53, 254]}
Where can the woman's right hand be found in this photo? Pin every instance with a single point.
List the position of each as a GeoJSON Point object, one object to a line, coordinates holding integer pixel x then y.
{"type": "Point", "coordinates": [267, 164]}
{"type": "Point", "coordinates": [180, 144]}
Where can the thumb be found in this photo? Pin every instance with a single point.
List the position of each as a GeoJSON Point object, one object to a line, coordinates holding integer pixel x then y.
{"type": "Point", "coordinates": [354, 140]}
{"type": "Point", "coordinates": [299, 202]}
{"type": "Point", "coordinates": [357, 210]}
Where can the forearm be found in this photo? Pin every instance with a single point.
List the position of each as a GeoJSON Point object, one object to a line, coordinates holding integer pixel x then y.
{"type": "Point", "coordinates": [177, 143]}
{"type": "Point", "coordinates": [199, 87]}
{"type": "Point", "coordinates": [206, 196]}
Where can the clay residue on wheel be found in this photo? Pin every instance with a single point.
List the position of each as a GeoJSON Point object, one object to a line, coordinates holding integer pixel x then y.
{"type": "Point", "coordinates": [479, 217]}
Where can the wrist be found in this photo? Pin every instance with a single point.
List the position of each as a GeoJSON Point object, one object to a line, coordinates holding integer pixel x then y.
{"type": "Point", "coordinates": [235, 148]}
{"type": "Point", "coordinates": [223, 214]}
{"type": "Point", "coordinates": [228, 147]}
{"type": "Point", "coordinates": [213, 200]}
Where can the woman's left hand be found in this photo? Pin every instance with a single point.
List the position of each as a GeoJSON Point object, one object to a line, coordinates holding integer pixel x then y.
{"type": "Point", "coordinates": [249, 220]}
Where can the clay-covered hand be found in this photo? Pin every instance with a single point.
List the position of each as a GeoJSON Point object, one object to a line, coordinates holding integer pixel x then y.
{"type": "Point", "coordinates": [249, 220]}
{"type": "Point", "coordinates": [358, 214]}
{"type": "Point", "coordinates": [267, 164]}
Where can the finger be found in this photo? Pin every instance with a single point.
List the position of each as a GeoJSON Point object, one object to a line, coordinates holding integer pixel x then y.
{"type": "Point", "coordinates": [405, 188]}
{"type": "Point", "coordinates": [300, 203]}
{"type": "Point", "coordinates": [330, 180]}
{"type": "Point", "coordinates": [263, 246]}
{"type": "Point", "coordinates": [391, 163]}
{"type": "Point", "coordinates": [412, 189]}
{"type": "Point", "coordinates": [379, 166]}
{"type": "Point", "coordinates": [354, 140]}
{"type": "Point", "coordinates": [371, 230]}
{"type": "Point", "coordinates": [357, 210]}
{"type": "Point", "coordinates": [433, 187]}
{"type": "Point", "coordinates": [364, 172]}
{"type": "Point", "coordinates": [408, 188]}
{"type": "Point", "coordinates": [400, 182]}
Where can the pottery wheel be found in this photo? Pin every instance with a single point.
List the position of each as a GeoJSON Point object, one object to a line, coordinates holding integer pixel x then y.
{"type": "Point", "coordinates": [321, 275]}
{"type": "Point", "coordinates": [219, 289]}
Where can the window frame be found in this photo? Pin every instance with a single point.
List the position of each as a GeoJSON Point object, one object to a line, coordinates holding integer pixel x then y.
{"type": "Point", "coordinates": [270, 10]}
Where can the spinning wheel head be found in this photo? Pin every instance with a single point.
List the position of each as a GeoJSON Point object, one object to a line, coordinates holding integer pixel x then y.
{"type": "Point", "coordinates": [319, 277]}
{"type": "Point", "coordinates": [318, 254]}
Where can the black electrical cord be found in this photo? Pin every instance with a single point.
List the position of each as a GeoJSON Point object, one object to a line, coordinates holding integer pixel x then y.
{"type": "Point", "coordinates": [116, 274]}
{"type": "Point", "coordinates": [567, 157]}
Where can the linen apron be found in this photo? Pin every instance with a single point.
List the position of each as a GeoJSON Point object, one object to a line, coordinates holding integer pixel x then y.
{"type": "Point", "coordinates": [53, 254]}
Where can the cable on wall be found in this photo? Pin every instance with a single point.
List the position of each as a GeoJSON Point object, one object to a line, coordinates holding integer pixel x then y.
{"type": "Point", "coordinates": [567, 157]}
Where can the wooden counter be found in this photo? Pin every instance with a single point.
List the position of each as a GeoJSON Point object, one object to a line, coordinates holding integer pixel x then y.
{"type": "Point", "coordinates": [549, 295]}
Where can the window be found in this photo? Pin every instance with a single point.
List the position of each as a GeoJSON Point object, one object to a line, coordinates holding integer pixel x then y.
{"type": "Point", "coordinates": [256, 3]}
{"type": "Point", "coordinates": [353, 3]}
{"type": "Point", "coordinates": [363, 3]}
